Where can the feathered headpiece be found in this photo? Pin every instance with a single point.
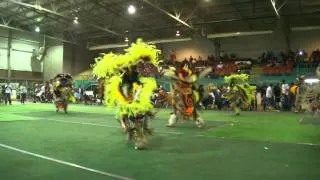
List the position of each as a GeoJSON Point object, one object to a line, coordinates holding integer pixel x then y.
{"type": "Point", "coordinates": [237, 78]}
{"type": "Point", "coordinates": [112, 64]}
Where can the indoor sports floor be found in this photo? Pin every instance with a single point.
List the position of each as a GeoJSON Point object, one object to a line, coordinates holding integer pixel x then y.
{"type": "Point", "coordinates": [87, 143]}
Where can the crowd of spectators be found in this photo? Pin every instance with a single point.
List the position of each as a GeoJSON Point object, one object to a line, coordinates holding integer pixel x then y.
{"type": "Point", "coordinates": [279, 96]}
{"type": "Point", "coordinates": [273, 63]}
{"type": "Point", "coordinates": [221, 66]}
{"type": "Point", "coordinates": [273, 59]}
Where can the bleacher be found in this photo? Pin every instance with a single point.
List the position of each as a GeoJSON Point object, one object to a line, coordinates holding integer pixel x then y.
{"type": "Point", "coordinates": [278, 70]}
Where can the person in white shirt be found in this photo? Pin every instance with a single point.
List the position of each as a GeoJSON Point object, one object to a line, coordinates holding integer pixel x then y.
{"type": "Point", "coordinates": [213, 98]}
{"type": "Point", "coordinates": [220, 65]}
{"type": "Point", "coordinates": [269, 95]}
{"type": "Point", "coordinates": [7, 94]}
{"type": "Point", "coordinates": [23, 94]}
{"type": "Point", "coordinates": [284, 88]}
{"type": "Point", "coordinates": [285, 95]}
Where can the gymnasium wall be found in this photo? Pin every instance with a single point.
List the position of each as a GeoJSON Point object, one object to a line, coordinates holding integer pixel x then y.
{"type": "Point", "coordinates": [53, 62]}
{"type": "Point", "coordinates": [21, 51]}
{"type": "Point", "coordinates": [77, 58]}
{"type": "Point", "coordinates": [195, 47]}
{"type": "Point", "coordinates": [244, 46]}
{"type": "Point", "coordinates": [23, 65]}
{"type": "Point", "coordinates": [307, 40]}
{"type": "Point", "coordinates": [3, 48]}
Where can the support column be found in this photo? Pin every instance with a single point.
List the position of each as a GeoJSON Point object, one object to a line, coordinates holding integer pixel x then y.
{"type": "Point", "coordinates": [73, 60]}
{"type": "Point", "coordinates": [9, 54]}
{"type": "Point", "coordinates": [287, 34]}
{"type": "Point", "coordinates": [217, 48]}
{"type": "Point", "coordinates": [282, 34]}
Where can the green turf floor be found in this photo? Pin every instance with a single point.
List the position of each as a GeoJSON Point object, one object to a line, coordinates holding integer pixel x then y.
{"type": "Point", "coordinates": [255, 145]}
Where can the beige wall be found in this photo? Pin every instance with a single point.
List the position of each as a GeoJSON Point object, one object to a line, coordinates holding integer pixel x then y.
{"type": "Point", "coordinates": [307, 40]}
{"type": "Point", "coordinates": [244, 46]}
{"type": "Point", "coordinates": [195, 48]}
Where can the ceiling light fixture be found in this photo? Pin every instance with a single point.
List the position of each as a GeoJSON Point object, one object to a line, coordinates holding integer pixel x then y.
{"type": "Point", "coordinates": [178, 33]}
{"type": "Point", "coordinates": [37, 29]}
{"type": "Point", "coordinates": [75, 20]}
{"type": "Point", "coordinates": [131, 9]}
{"type": "Point", "coordinates": [312, 80]}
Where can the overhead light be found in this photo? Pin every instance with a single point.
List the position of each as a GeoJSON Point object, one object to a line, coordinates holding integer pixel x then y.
{"type": "Point", "coordinates": [75, 20]}
{"type": "Point", "coordinates": [311, 80]}
{"type": "Point", "coordinates": [178, 33]}
{"type": "Point", "coordinates": [131, 9]}
{"type": "Point", "coordinates": [37, 29]}
{"type": "Point", "coordinates": [300, 53]}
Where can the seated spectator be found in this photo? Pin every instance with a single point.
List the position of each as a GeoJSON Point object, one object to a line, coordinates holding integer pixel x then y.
{"type": "Point", "coordinates": [220, 65]}
{"type": "Point", "coordinates": [190, 58]}
{"type": "Point", "coordinates": [185, 61]}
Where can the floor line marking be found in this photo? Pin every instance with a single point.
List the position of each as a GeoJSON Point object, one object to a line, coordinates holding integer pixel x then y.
{"type": "Point", "coordinates": [65, 162]}
{"type": "Point", "coordinates": [178, 133]}
{"type": "Point", "coordinates": [109, 126]}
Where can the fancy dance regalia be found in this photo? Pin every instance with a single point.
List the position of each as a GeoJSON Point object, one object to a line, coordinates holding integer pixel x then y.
{"type": "Point", "coordinates": [240, 92]}
{"type": "Point", "coordinates": [62, 89]}
{"type": "Point", "coordinates": [185, 96]}
{"type": "Point", "coordinates": [129, 88]}
{"type": "Point", "coordinates": [308, 93]}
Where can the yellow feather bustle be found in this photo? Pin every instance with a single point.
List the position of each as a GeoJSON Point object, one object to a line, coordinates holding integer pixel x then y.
{"type": "Point", "coordinates": [110, 67]}
{"type": "Point", "coordinates": [241, 85]}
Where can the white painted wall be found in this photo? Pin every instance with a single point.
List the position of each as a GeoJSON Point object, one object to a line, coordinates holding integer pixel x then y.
{"type": "Point", "coordinates": [21, 56]}
{"type": "Point", "coordinates": [3, 48]}
{"type": "Point", "coordinates": [23, 45]}
{"type": "Point", "coordinates": [3, 58]}
{"type": "Point", "coordinates": [21, 51]}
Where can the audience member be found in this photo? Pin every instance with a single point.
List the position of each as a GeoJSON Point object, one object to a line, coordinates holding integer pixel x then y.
{"type": "Point", "coordinates": [220, 65]}
{"type": "Point", "coordinates": [277, 96]}
{"type": "Point", "coordinates": [268, 99]}
{"type": "Point", "coordinates": [7, 95]}
{"type": "Point", "coordinates": [23, 94]}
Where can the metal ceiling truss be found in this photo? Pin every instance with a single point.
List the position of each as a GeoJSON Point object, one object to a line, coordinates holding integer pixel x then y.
{"type": "Point", "coordinates": [5, 20]}
{"type": "Point", "coordinates": [175, 17]}
{"type": "Point", "coordinates": [108, 19]}
{"type": "Point", "coordinates": [30, 32]}
{"type": "Point", "coordinates": [135, 24]}
{"type": "Point", "coordinates": [37, 8]}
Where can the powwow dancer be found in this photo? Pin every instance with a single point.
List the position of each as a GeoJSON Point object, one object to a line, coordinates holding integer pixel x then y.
{"type": "Point", "coordinates": [185, 96]}
{"type": "Point", "coordinates": [129, 88]}
{"type": "Point", "coordinates": [240, 92]}
{"type": "Point", "coordinates": [63, 91]}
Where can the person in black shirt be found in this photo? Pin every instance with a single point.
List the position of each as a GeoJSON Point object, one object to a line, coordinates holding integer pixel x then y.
{"type": "Point", "coordinates": [277, 96]}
